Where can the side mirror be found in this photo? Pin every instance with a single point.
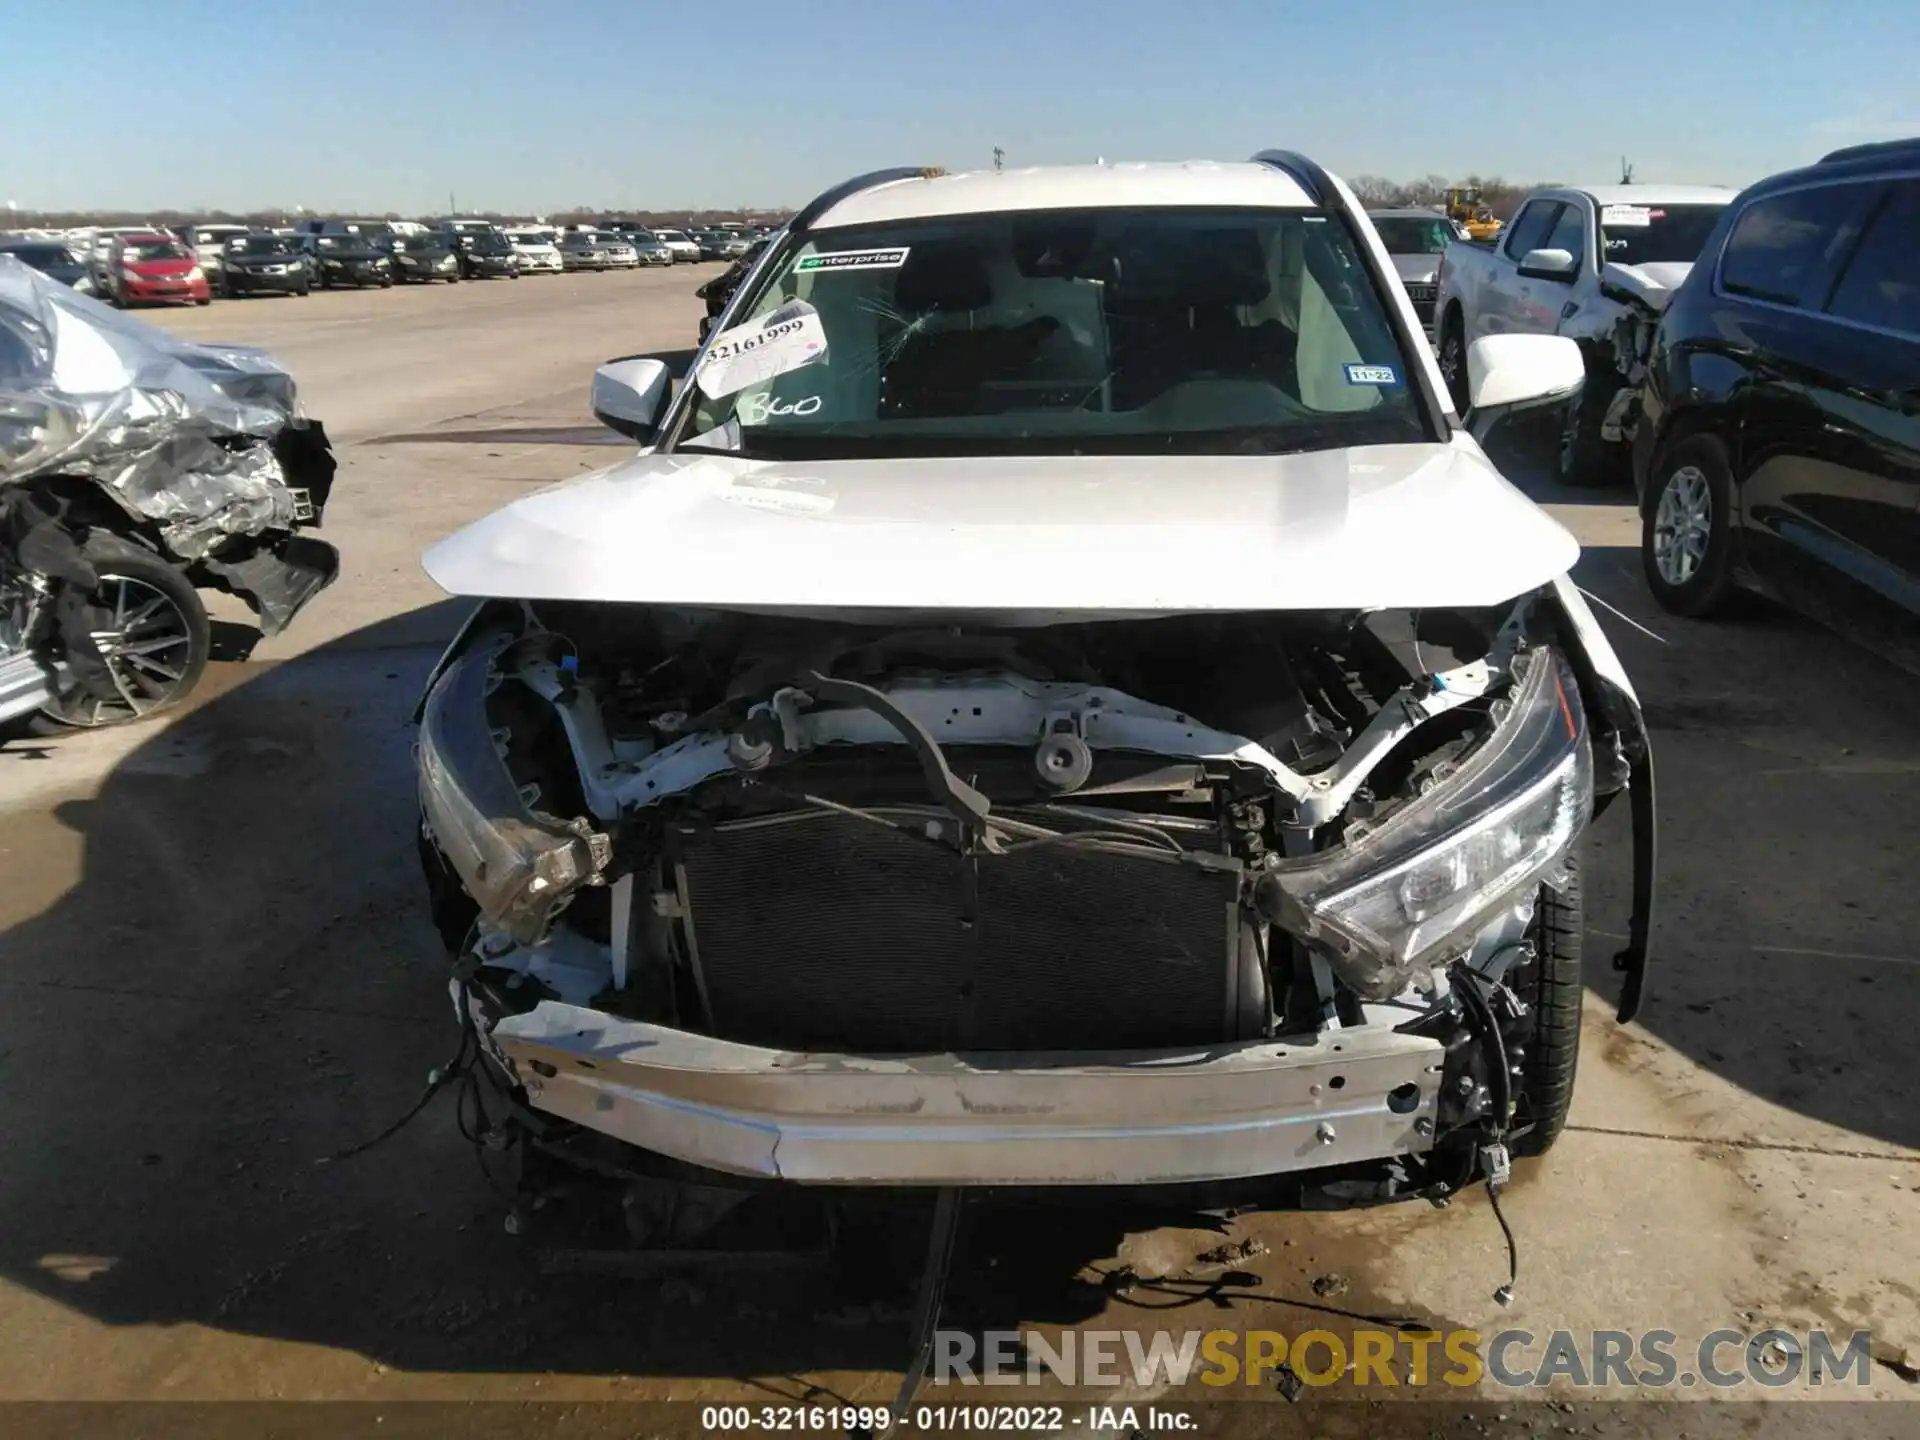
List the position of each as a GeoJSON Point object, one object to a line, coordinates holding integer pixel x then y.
{"type": "Point", "coordinates": [628, 396]}
{"type": "Point", "coordinates": [1547, 265]}
{"type": "Point", "coordinates": [1507, 374]}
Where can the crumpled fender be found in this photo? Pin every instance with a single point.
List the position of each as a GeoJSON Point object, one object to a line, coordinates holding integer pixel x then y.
{"type": "Point", "coordinates": [1601, 672]}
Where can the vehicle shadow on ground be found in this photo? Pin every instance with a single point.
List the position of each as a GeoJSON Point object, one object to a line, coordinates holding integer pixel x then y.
{"type": "Point", "coordinates": [234, 979]}
{"type": "Point", "coordinates": [1789, 789]}
{"type": "Point", "coordinates": [590, 435]}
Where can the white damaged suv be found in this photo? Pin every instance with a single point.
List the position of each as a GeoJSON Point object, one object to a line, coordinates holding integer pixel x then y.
{"type": "Point", "coordinates": [1059, 699]}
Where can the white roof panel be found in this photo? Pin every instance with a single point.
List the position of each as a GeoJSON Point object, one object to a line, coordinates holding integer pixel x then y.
{"type": "Point", "coordinates": [1071, 187]}
{"type": "Point", "coordinates": [1657, 194]}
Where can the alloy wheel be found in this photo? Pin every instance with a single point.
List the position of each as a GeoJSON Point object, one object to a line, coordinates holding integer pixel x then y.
{"type": "Point", "coordinates": [148, 648]}
{"type": "Point", "coordinates": [1682, 525]}
{"type": "Point", "coordinates": [1453, 365]}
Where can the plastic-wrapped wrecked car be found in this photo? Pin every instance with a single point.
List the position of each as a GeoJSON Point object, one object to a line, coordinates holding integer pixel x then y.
{"type": "Point", "coordinates": [1061, 700]}
{"type": "Point", "coordinates": [135, 469]}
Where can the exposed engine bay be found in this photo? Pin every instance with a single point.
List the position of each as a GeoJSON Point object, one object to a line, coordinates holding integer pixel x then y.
{"type": "Point", "coordinates": [1081, 842]}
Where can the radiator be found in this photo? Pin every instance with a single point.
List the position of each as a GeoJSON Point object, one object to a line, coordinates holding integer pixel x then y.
{"type": "Point", "coordinates": [820, 931]}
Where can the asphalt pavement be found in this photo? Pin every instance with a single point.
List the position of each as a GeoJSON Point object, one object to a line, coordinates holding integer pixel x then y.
{"type": "Point", "coordinates": [215, 969]}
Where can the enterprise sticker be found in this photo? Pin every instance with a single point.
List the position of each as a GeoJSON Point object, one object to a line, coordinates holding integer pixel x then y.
{"type": "Point", "coordinates": [853, 260]}
{"type": "Point", "coordinates": [782, 340]}
{"type": "Point", "coordinates": [1624, 216]}
{"type": "Point", "coordinates": [1372, 375]}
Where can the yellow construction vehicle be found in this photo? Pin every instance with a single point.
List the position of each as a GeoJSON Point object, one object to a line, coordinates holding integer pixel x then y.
{"type": "Point", "coordinates": [1465, 209]}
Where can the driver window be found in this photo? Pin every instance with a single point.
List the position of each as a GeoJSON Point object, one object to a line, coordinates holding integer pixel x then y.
{"type": "Point", "coordinates": [1568, 234]}
{"type": "Point", "coordinates": [1529, 229]}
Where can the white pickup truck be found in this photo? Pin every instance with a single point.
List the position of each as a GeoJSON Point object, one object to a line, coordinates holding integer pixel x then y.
{"type": "Point", "coordinates": [1596, 264]}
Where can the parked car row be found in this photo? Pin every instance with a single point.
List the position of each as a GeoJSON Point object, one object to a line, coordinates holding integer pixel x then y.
{"type": "Point", "coordinates": [131, 265]}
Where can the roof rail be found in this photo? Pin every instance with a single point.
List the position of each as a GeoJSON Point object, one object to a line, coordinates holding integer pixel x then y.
{"type": "Point", "coordinates": [828, 199]}
{"type": "Point", "coordinates": [1310, 177]}
{"type": "Point", "coordinates": [1871, 151]}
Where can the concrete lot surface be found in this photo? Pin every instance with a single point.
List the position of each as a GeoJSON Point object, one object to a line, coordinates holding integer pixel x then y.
{"type": "Point", "coordinates": [215, 969]}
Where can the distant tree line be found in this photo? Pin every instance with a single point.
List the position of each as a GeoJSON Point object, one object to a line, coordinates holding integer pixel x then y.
{"type": "Point", "coordinates": [1500, 196]}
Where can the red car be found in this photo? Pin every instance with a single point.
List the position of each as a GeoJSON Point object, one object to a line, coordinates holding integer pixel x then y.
{"type": "Point", "coordinates": [145, 269]}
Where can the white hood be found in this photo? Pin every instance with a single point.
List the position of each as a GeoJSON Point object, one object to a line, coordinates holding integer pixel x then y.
{"type": "Point", "coordinates": [1375, 527]}
{"type": "Point", "coordinates": [1653, 283]}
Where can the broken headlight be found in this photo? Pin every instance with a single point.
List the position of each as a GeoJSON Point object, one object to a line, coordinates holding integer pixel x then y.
{"type": "Point", "coordinates": [1397, 899]}
{"type": "Point", "coordinates": [519, 866]}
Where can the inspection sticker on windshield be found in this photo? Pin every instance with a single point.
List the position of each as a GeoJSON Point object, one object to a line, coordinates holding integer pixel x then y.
{"type": "Point", "coordinates": [783, 340]}
{"type": "Point", "coordinates": [853, 260]}
{"type": "Point", "coordinates": [1626, 215]}
{"type": "Point", "coordinates": [1372, 375]}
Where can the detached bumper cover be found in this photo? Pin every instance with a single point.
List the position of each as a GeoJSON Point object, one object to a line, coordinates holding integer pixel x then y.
{"type": "Point", "coordinates": [1124, 1118]}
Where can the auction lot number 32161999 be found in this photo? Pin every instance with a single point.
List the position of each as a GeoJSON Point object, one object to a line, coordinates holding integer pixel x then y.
{"type": "Point", "coordinates": [880, 1420]}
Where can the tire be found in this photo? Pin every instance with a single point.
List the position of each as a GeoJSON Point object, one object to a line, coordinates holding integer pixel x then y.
{"type": "Point", "coordinates": [1453, 360]}
{"type": "Point", "coordinates": [1550, 985]}
{"type": "Point", "coordinates": [207, 301]}
{"type": "Point", "coordinates": [132, 576]}
{"type": "Point", "coordinates": [1582, 459]}
{"type": "Point", "coordinates": [1692, 476]}
{"type": "Point", "coordinates": [386, 284]}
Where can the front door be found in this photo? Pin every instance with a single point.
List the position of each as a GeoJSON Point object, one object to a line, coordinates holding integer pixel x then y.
{"type": "Point", "coordinates": [1830, 435]}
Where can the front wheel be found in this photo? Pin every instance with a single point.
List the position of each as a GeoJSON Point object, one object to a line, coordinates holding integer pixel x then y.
{"type": "Point", "coordinates": [151, 631]}
{"type": "Point", "coordinates": [1550, 985]}
{"type": "Point", "coordinates": [204, 300]}
{"type": "Point", "coordinates": [1583, 459]}
{"type": "Point", "coordinates": [1453, 362]}
{"type": "Point", "coordinates": [1686, 534]}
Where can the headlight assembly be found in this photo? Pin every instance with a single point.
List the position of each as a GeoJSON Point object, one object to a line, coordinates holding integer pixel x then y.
{"type": "Point", "coordinates": [520, 866]}
{"type": "Point", "coordinates": [1393, 901]}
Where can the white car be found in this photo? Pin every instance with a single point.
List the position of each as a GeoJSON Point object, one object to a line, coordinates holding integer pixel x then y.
{"type": "Point", "coordinates": [97, 247]}
{"type": "Point", "coordinates": [682, 246]}
{"type": "Point", "coordinates": [1577, 262]}
{"type": "Point", "coordinates": [538, 254]}
{"type": "Point", "coordinates": [1059, 698]}
{"type": "Point", "coordinates": [621, 254]}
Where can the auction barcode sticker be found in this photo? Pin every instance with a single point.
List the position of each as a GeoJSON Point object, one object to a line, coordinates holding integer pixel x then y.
{"type": "Point", "coordinates": [853, 260]}
{"type": "Point", "coordinates": [1626, 215]}
{"type": "Point", "coordinates": [785, 340]}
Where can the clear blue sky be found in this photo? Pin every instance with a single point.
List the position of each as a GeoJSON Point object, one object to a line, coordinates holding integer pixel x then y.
{"type": "Point", "coordinates": [345, 105]}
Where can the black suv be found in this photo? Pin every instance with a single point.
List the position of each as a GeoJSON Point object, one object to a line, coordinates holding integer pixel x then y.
{"type": "Point", "coordinates": [1779, 445]}
{"type": "Point", "coordinates": [261, 264]}
{"type": "Point", "coordinates": [421, 259]}
{"type": "Point", "coordinates": [345, 259]}
{"type": "Point", "coordinates": [487, 255]}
